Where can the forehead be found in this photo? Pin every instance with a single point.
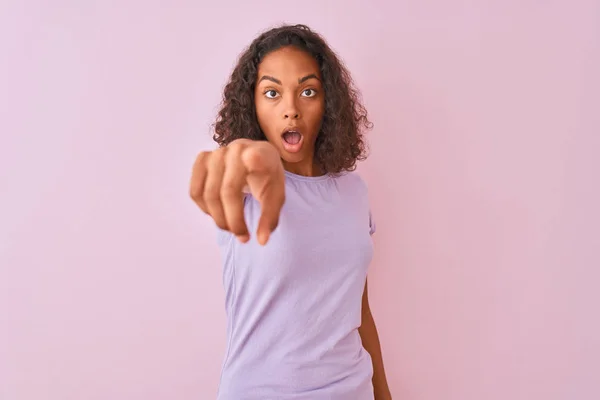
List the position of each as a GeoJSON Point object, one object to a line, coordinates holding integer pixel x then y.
{"type": "Point", "coordinates": [288, 62]}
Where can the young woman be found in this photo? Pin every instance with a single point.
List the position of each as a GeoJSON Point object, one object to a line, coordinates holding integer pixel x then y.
{"type": "Point", "coordinates": [290, 133]}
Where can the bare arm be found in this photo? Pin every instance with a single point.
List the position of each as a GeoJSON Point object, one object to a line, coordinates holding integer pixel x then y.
{"type": "Point", "coordinates": [370, 340]}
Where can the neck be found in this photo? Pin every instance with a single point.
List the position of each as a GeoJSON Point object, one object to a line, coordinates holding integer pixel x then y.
{"type": "Point", "coordinates": [311, 169]}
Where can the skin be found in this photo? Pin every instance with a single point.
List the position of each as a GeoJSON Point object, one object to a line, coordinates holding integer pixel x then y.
{"type": "Point", "coordinates": [370, 340]}
{"type": "Point", "coordinates": [288, 93]}
{"type": "Point", "coordinates": [296, 99]}
{"type": "Point", "coordinates": [219, 177]}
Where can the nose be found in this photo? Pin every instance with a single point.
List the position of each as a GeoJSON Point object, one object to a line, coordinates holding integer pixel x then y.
{"type": "Point", "coordinates": [291, 110]}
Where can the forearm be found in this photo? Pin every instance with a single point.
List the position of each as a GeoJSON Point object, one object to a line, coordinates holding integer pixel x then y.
{"type": "Point", "coordinates": [370, 340]}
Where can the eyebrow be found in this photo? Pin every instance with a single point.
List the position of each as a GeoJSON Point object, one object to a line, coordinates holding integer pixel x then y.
{"type": "Point", "coordinates": [277, 81]}
{"type": "Point", "coordinates": [307, 77]}
{"type": "Point", "coordinates": [269, 78]}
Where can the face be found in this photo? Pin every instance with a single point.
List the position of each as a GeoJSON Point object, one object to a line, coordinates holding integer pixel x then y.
{"type": "Point", "coordinates": [290, 104]}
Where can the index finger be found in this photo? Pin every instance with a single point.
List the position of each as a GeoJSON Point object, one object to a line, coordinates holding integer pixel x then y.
{"type": "Point", "coordinates": [271, 203]}
{"type": "Point", "coordinates": [232, 195]}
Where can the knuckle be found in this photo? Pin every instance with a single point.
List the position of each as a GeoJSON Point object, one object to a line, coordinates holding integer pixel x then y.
{"type": "Point", "coordinates": [216, 158]}
{"type": "Point", "coordinates": [204, 154]}
{"type": "Point", "coordinates": [228, 190]}
{"type": "Point", "coordinates": [195, 192]}
{"type": "Point", "coordinates": [234, 155]}
{"type": "Point", "coordinates": [253, 155]}
{"type": "Point", "coordinates": [202, 159]}
{"type": "Point", "coordinates": [239, 143]}
{"type": "Point", "coordinates": [220, 152]}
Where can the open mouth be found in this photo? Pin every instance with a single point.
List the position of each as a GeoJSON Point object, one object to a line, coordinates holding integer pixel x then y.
{"type": "Point", "coordinates": [291, 136]}
{"type": "Point", "coordinates": [292, 139]}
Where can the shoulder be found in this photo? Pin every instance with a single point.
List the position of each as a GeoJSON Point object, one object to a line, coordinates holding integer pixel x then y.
{"type": "Point", "coordinates": [353, 180]}
{"type": "Point", "coordinates": [357, 186]}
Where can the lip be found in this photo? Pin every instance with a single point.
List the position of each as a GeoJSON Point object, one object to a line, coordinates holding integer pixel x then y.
{"type": "Point", "coordinates": [292, 129]}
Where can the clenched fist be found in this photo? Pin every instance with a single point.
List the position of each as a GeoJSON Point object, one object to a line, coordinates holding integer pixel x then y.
{"type": "Point", "coordinates": [220, 176]}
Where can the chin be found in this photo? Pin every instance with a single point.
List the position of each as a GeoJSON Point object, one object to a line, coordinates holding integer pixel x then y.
{"type": "Point", "coordinates": [291, 157]}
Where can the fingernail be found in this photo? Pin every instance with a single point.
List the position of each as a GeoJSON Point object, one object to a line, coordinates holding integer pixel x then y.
{"type": "Point", "coordinates": [243, 238]}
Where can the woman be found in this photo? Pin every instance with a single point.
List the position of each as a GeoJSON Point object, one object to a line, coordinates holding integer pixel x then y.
{"type": "Point", "coordinates": [298, 319]}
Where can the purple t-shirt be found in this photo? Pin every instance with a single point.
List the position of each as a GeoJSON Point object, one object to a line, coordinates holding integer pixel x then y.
{"type": "Point", "coordinates": [294, 306]}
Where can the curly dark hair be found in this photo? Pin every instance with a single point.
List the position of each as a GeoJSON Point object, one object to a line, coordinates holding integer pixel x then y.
{"type": "Point", "coordinates": [339, 144]}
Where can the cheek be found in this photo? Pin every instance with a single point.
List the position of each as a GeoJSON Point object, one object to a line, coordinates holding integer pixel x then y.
{"type": "Point", "coordinates": [264, 114]}
{"type": "Point", "coordinates": [314, 112]}
{"type": "Point", "coordinates": [267, 119]}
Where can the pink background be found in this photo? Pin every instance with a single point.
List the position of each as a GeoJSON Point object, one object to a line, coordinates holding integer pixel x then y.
{"type": "Point", "coordinates": [484, 180]}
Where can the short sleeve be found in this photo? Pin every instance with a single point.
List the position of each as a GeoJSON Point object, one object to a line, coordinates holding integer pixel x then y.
{"type": "Point", "coordinates": [372, 226]}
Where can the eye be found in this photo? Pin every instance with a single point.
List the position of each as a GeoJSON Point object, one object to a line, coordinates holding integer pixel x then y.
{"type": "Point", "coordinates": [309, 92]}
{"type": "Point", "coordinates": [271, 94]}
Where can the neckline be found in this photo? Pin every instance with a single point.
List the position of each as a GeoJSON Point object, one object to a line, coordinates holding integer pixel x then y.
{"type": "Point", "coordinates": [306, 178]}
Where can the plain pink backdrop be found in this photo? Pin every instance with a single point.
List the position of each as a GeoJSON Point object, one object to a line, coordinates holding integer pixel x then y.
{"type": "Point", "coordinates": [484, 179]}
